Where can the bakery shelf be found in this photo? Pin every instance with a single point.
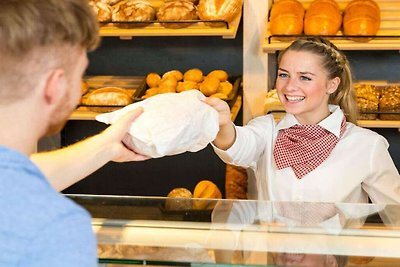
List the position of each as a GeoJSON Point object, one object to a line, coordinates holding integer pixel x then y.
{"type": "Point", "coordinates": [198, 28]}
{"type": "Point", "coordinates": [388, 37]}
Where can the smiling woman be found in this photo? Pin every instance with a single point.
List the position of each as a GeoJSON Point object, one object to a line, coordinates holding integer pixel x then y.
{"type": "Point", "coordinates": [309, 155]}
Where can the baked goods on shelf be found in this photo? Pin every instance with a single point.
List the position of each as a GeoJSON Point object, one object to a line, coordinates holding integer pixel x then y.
{"type": "Point", "coordinates": [180, 199]}
{"type": "Point", "coordinates": [323, 17]}
{"type": "Point", "coordinates": [390, 102]}
{"type": "Point", "coordinates": [235, 182]}
{"type": "Point", "coordinates": [286, 17]}
{"type": "Point", "coordinates": [108, 96]}
{"type": "Point", "coordinates": [133, 11]}
{"type": "Point", "coordinates": [272, 102]}
{"type": "Point", "coordinates": [177, 10]}
{"type": "Point", "coordinates": [216, 83]}
{"type": "Point", "coordinates": [225, 10]}
{"type": "Point", "coordinates": [367, 97]}
{"type": "Point", "coordinates": [205, 189]}
{"type": "Point", "coordinates": [361, 17]}
{"type": "Point", "coordinates": [102, 10]}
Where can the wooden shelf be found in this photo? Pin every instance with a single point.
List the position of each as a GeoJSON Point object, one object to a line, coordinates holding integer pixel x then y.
{"type": "Point", "coordinates": [388, 37]}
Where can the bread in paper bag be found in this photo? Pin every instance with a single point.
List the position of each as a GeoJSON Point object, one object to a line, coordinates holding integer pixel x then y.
{"type": "Point", "coordinates": [172, 123]}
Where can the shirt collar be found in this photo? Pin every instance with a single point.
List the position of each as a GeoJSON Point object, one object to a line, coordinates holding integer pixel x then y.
{"type": "Point", "coordinates": [331, 123]}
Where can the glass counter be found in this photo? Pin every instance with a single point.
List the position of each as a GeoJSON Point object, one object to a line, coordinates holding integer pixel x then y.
{"type": "Point", "coordinates": [161, 231]}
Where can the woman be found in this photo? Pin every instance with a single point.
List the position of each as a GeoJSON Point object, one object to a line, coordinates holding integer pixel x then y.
{"type": "Point", "coordinates": [316, 152]}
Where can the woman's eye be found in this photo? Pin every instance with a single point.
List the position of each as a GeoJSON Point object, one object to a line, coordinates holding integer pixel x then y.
{"type": "Point", "coordinates": [305, 78]}
{"type": "Point", "coordinates": [282, 75]}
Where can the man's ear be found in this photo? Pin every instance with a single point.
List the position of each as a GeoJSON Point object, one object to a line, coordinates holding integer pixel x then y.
{"type": "Point", "coordinates": [55, 86]}
{"type": "Point", "coordinates": [333, 85]}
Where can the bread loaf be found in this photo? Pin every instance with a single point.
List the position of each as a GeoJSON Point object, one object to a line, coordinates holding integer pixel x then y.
{"type": "Point", "coordinates": [361, 17]}
{"type": "Point", "coordinates": [287, 17]}
{"type": "Point", "coordinates": [108, 96]}
{"type": "Point", "coordinates": [205, 189]}
{"type": "Point", "coordinates": [367, 97]}
{"type": "Point", "coordinates": [177, 10]}
{"type": "Point", "coordinates": [179, 199]}
{"type": "Point", "coordinates": [219, 9]}
{"type": "Point", "coordinates": [235, 182]}
{"type": "Point", "coordinates": [102, 10]}
{"type": "Point", "coordinates": [84, 87]}
{"type": "Point", "coordinates": [133, 11]}
{"type": "Point", "coordinates": [390, 102]}
{"type": "Point", "coordinates": [323, 17]}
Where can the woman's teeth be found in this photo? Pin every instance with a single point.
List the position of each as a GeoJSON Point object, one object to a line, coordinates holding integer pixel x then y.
{"type": "Point", "coordinates": [295, 98]}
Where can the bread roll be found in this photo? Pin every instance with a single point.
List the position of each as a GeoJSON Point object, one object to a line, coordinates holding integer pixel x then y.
{"type": "Point", "coordinates": [219, 9]}
{"type": "Point", "coordinates": [221, 75]}
{"type": "Point", "coordinates": [323, 17]}
{"type": "Point", "coordinates": [109, 96]}
{"type": "Point", "coordinates": [177, 10]}
{"type": "Point", "coordinates": [195, 75]}
{"type": "Point", "coordinates": [186, 85]}
{"type": "Point", "coordinates": [205, 189]}
{"type": "Point", "coordinates": [361, 17]}
{"type": "Point", "coordinates": [209, 86]}
{"type": "Point", "coordinates": [153, 79]}
{"type": "Point", "coordinates": [150, 92]}
{"type": "Point", "coordinates": [179, 199]}
{"type": "Point", "coordinates": [225, 88]}
{"type": "Point", "coordinates": [133, 10]}
{"type": "Point", "coordinates": [286, 17]}
{"type": "Point", "coordinates": [175, 73]}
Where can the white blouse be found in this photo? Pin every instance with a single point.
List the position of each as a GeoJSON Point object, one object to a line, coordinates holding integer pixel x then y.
{"type": "Point", "coordinates": [359, 166]}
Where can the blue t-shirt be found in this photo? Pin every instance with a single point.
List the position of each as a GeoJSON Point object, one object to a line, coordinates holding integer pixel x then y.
{"type": "Point", "coordinates": [38, 225]}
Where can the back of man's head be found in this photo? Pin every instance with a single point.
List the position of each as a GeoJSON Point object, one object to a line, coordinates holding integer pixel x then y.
{"type": "Point", "coordinates": [35, 36]}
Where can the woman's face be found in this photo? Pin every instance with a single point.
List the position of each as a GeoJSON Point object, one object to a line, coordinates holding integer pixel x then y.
{"type": "Point", "coordinates": [303, 86]}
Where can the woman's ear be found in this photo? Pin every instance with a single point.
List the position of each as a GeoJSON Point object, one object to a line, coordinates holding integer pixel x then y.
{"type": "Point", "coordinates": [333, 85]}
{"type": "Point", "coordinates": [54, 87]}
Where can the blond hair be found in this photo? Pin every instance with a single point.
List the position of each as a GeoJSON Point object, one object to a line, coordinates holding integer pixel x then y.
{"type": "Point", "coordinates": [336, 65]}
{"type": "Point", "coordinates": [37, 35]}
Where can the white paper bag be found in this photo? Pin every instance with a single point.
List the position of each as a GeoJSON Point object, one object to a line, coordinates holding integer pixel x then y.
{"type": "Point", "coordinates": [171, 124]}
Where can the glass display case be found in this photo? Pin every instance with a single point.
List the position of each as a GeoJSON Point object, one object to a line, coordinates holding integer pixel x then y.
{"type": "Point", "coordinates": [162, 231]}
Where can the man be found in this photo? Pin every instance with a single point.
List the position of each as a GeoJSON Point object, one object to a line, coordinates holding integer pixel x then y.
{"type": "Point", "coordinates": [42, 59]}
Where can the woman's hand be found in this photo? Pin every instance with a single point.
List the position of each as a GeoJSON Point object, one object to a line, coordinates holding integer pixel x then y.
{"type": "Point", "coordinates": [222, 108]}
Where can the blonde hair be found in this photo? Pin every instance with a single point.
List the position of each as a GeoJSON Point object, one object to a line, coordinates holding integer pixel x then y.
{"type": "Point", "coordinates": [37, 35]}
{"type": "Point", "coordinates": [336, 65]}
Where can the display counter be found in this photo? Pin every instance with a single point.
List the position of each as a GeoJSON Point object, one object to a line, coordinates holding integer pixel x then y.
{"type": "Point", "coordinates": [155, 231]}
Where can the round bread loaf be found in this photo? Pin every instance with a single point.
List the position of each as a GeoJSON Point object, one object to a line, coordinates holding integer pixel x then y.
{"type": "Point", "coordinates": [287, 17]}
{"type": "Point", "coordinates": [179, 199]}
{"type": "Point", "coordinates": [323, 17]}
{"type": "Point", "coordinates": [207, 190]}
{"type": "Point", "coordinates": [133, 11]}
{"type": "Point", "coordinates": [177, 10]}
{"type": "Point", "coordinates": [102, 10]}
{"type": "Point", "coordinates": [361, 17]}
{"type": "Point", "coordinates": [219, 9]}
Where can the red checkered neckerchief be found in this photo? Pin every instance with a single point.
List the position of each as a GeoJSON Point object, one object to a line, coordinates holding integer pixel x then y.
{"type": "Point", "coordinates": [304, 147]}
